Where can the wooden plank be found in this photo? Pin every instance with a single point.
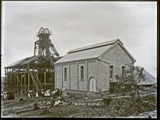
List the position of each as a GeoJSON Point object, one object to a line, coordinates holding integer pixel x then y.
{"type": "Point", "coordinates": [17, 84]}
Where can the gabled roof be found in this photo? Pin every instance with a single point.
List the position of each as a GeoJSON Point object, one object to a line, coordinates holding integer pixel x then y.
{"type": "Point", "coordinates": [24, 61]}
{"type": "Point", "coordinates": [107, 43]}
{"type": "Point", "coordinates": [88, 52]}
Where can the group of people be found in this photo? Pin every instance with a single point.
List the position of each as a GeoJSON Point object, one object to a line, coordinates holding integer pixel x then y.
{"type": "Point", "coordinates": [55, 100]}
{"type": "Point", "coordinates": [8, 96]}
{"type": "Point", "coordinates": [42, 93]}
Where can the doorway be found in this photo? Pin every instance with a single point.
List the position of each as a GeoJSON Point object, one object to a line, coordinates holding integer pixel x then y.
{"type": "Point", "coordinates": [92, 84]}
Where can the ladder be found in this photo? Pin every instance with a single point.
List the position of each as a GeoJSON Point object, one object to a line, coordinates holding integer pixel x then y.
{"type": "Point", "coordinates": [36, 81]}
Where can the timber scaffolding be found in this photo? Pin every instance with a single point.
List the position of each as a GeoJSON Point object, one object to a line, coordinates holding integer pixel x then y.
{"type": "Point", "coordinates": [34, 73]}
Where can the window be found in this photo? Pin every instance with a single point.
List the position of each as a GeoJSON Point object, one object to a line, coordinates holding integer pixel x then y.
{"type": "Point", "coordinates": [82, 72]}
{"type": "Point", "coordinates": [111, 71]}
{"type": "Point", "coordinates": [123, 71]}
{"type": "Point", "coordinates": [65, 74]}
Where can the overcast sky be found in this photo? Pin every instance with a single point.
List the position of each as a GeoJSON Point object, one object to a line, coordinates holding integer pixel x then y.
{"type": "Point", "coordinates": [78, 24]}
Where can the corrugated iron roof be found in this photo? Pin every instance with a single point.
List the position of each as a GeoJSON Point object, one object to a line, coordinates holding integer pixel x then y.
{"type": "Point", "coordinates": [92, 51]}
{"type": "Point", "coordinates": [95, 45]}
{"type": "Point", "coordinates": [149, 79]}
{"type": "Point", "coordinates": [23, 61]}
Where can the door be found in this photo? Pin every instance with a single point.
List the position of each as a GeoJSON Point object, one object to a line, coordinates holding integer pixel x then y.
{"type": "Point", "coordinates": [92, 85]}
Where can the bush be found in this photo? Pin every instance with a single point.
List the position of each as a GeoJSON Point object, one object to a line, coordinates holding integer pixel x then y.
{"type": "Point", "coordinates": [107, 101]}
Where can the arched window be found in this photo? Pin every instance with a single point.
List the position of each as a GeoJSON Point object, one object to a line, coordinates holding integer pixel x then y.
{"type": "Point", "coordinates": [41, 30]}
{"type": "Point", "coordinates": [82, 72]}
{"type": "Point", "coordinates": [111, 72]}
{"type": "Point", "coordinates": [65, 74]}
{"type": "Point", "coordinates": [46, 31]}
{"type": "Point", "coordinates": [123, 71]}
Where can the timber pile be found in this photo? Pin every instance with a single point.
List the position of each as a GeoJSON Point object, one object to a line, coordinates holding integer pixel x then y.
{"type": "Point", "coordinates": [24, 110]}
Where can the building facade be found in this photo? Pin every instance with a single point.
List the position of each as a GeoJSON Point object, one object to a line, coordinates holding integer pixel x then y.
{"type": "Point", "coordinates": [92, 68]}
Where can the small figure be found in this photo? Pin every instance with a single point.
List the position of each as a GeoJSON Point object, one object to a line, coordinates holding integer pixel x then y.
{"type": "Point", "coordinates": [36, 94]}
{"type": "Point", "coordinates": [35, 105]}
{"type": "Point", "coordinates": [4, 96]}
{"type": "Point", "coordinates": [42, 93]}
{"type": "Point", "coordinates": [29, 95]}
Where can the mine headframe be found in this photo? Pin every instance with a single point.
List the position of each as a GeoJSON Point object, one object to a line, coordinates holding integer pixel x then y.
{"type": "Point", "coordinates": [36, 72]}
{"type": "Point", "coordinates": [44, 46]}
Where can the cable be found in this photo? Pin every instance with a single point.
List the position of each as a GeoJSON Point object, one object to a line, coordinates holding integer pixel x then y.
{"type": "Point", "coordinates": [56, 45]}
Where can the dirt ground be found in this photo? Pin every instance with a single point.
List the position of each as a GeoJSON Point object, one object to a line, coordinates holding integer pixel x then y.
{"type": "Point", "coordinates": [81, 107]}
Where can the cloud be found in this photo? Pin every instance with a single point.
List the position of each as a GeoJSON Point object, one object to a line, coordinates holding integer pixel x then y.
{"type": "Point", "coordinates": [79, 24]}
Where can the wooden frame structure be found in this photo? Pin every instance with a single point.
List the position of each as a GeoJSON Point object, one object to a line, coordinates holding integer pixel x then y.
{"type": "Point", "coordinates": [34, 73]}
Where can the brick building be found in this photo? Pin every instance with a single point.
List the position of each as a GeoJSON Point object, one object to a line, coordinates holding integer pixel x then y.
{"type": "Point", "coordinates": [92, 68]}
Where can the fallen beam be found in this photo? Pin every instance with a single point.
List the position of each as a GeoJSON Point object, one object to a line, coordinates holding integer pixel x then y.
{"type": "Point", "coordinates": [24, 110]}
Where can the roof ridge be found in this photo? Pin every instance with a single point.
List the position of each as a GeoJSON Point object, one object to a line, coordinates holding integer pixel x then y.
{"type": "Point", "coordinates": [95, 45]}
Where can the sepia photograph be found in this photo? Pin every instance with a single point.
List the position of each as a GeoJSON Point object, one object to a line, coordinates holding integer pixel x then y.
{"type": "Point", "coordinates": [78, 59]}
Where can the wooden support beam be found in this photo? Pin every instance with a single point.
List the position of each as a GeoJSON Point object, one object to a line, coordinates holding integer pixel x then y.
{"type": "Point", "coordinates": [14, 77]}
{"type": "Point", "coordinates": [13, 81]}
{"type": "Point", "coordinates": [21, 81]}
{"type": "Point", "coordinates": [25, 78]}
{"type": "Point", "coordinates": [28, 79]}
{"type": "Point", "coordinates": [17, 85]}
{"type": "Point", "coordinates": [5, 72]}
{"type": "Point", "coordinates": [33, 86]}
{"type": "Point", "coordinates": [45, 78]}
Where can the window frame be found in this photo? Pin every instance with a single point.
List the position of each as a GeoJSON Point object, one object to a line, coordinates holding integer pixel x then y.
{"type": "Point", "coordinates": [123, 71]}
{"type": "Point", "coordinates": [65, 74]}
{"type": "Point", "coordinates": [82, 73]}
{"type": "Point", "coordinates": [111, 72]}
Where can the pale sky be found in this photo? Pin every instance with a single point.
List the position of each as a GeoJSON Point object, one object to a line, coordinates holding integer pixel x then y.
{"type": "Point", "coordinates": [79, 24]}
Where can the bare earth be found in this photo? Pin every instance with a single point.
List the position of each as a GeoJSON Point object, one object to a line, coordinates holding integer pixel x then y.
{"type": "Point", "coordinates": [80, 108]}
